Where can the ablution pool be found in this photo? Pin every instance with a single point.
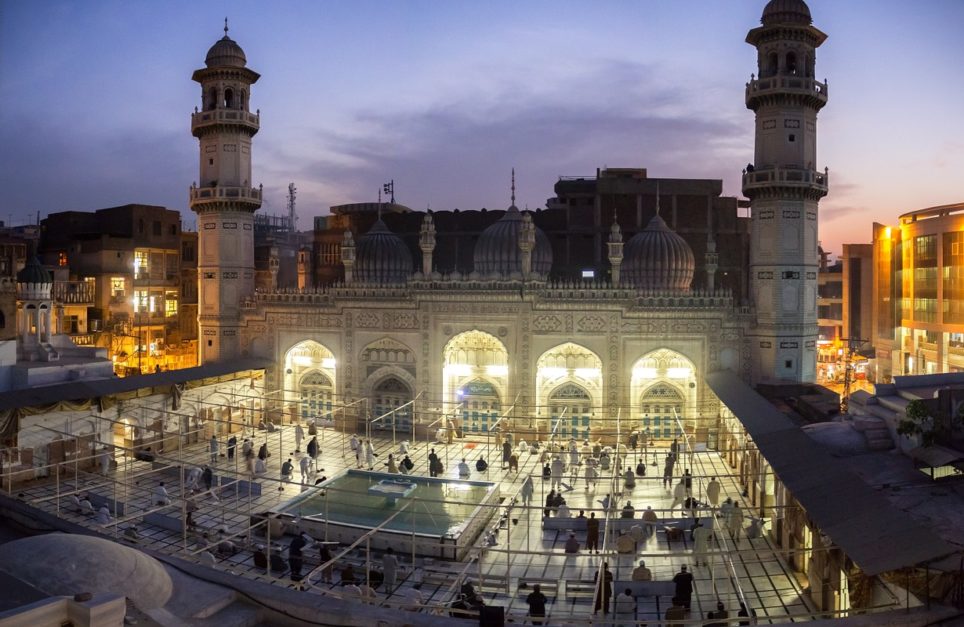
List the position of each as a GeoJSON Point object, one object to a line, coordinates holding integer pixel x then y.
{"type": "Point", "coordinates": [442, 517]}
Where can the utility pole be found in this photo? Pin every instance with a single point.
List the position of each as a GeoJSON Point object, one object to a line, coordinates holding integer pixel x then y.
{"type": "Point", "coordinates": [848, 371]}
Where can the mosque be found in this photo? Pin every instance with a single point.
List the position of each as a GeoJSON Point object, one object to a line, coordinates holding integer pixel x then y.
{"type": "Point", "coordinates": [570, 358]}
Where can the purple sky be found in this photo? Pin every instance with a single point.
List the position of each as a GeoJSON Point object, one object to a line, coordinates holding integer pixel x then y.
{"type": "Point", "coordinates": [447, 97]}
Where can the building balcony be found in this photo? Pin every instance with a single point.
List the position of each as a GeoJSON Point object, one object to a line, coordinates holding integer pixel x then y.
{"type": "Point", "coordinates": [219, 193]}
{"type": "Point", "coordinates": [803, 179]}
{"type": "Point", "coordinates": [780, 86]}
{"type": "Point", "coordinates": [204, 119]}
{"type": "Point", "coordinates": [73, 292]}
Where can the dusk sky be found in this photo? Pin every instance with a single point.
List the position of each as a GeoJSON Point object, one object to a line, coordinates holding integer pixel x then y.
{"type": "Point", "coordinates": [447, 97]}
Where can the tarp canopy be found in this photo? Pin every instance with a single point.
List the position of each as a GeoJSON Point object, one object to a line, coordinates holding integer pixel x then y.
{"type": "Point", "coordinates": [863, 523]}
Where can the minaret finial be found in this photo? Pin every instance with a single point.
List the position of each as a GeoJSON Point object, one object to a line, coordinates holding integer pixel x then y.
{"type": "Point", "coordinates": [225, 27]}
{"type": "Point", "coordinates": [657, 197]}
{"type": "Point", "coordinates": [513, 187]}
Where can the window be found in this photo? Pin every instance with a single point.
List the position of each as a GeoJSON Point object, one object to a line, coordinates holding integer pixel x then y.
{"type": "Point", "coordinates": [140, 301]}
{"type": "Point", "coordinates": [62, 259]}
{"type": "Point", "coordinates": [187, 251]}
{"type": "Point", "coordinates": [792, 138]}
{"type": "Point", "coordinates": [117, 286]}
{"type": "Point", "coordinates": [157, 227]}
{"type": "Point", "coordinates": [788, 364]}
{"type": "Point", "coordinates": [228, 99]}
{"type": "Point", "coordinates": [142, 264]}
{"type": "Point", "coordinates": [170, 304]}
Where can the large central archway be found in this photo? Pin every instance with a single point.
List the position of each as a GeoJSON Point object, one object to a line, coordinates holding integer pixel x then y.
{"type": "Point", "coordinates": [569, 391]}
{"type": "Point", "coordinates": [309, 381]}
{"type": "Point", "coordinates": [475, 377]}
{"type": "Point", "coordinates": [663, 393]}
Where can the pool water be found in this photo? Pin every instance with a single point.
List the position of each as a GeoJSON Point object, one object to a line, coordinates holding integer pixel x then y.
{"type": "Point", "coordinates": [436, 507]}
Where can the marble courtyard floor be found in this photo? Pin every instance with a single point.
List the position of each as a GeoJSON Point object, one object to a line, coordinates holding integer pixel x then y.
{"type": "Point", "coordinates": [522, 553]}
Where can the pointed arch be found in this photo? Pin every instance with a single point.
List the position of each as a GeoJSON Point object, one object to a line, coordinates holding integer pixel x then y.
{"type": "Point", "coordinates": [663, 392]}
{"type": "Point", "coordinates": [473, 355]}
{"type": "Point", "coordinates": [568, 363]}
{"type": "Point", "coordinates": [302, 359]}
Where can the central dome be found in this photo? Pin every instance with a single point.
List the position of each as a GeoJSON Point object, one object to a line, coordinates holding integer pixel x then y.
{"type": "Point", "coordinates": [382, 257]}
{"type": "Point", "coordinates": [497, 251]}
{"type": "Point", "coordinates": [656, 258]}
{"type": "Point", "coordinates": [786, 12]}
{"type": "Point", "coordinates": [225, 52]}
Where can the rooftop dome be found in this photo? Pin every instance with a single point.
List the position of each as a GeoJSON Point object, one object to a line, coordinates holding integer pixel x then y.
{"type": "Point", "coordinates": [497, 251]}
{"type": "Point", "coordinates": [786, 12]}
{"type": "Point", "coordinates": [382, 257]}
{"type": "Point", "coordinates": [66, 564]}
{"type": "Point", "coordinates": [34, 273]}
{"type": "Point", "coordinates": [656, 258]}
{"type": "Point", "coordinates": [225, 51]}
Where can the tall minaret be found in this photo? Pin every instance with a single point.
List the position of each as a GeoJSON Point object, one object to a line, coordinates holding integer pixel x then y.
{"type": "Point", "coordinates": [426, 241]}
{"type": "Point", "coordinates": [615, 246]}
{"type": "Point", "coordinates": [224, 198]}
{"type": "Point", "coordinates": [784, 187]}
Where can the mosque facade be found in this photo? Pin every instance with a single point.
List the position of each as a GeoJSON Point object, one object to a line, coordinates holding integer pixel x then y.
{"type": "Point", "coordinates": [577, 359]}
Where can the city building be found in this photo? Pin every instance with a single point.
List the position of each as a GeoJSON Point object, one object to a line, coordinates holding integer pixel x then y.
{"type": "Point", "coordinates": [830, 318]}
{"type": "Point", "coordinates": [121, 271]}
{"type": "Point", "coordinates": [918, 311]}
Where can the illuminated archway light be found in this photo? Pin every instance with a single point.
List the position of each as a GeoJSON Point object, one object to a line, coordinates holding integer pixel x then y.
{"type": "Point", "coordinates": [679, 373]}
{"type": "Point", "coordinates": [588, 373]}
{"type": "Point", "coordinates": [497, 371]}
{"type": "Point", "coordinates": [458, 370]}
{"type": "Point", "coordinates": [644, 373]}
{"type": "Point", "coordinates": [552, 372]}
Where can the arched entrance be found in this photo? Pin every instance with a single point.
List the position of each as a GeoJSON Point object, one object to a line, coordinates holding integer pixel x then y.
{"type": "Point", "coordinates": [660, 405]}
{"type": "Point", "coordinates": [480, 405]}
{"type": "Point", "coordinates": [475, 374]}
{"type": "Point", "coordinates": [663, 393]}
{"type": "Point", "coordinates": [388, 394]}
{"type": "Point", "coordinates": [316, 396]}
{"type": "Point", "coordinates": [309, 380]}
{"type": "Point", "coordinates": [569, 392]}
{"type": "Point", "coordinates": [570, 412]}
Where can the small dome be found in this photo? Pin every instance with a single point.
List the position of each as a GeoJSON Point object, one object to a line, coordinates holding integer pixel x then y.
{"type": "Point", "coordinates": [382, 257]}
{"type": "Point", "coordinates": [34, 273]}
{"type": "Point", "coordinates": [65, 564]}
{"type": "Point", "coordinates": [786, 12]}
{"type": "Point", "coordinates": [656, 258]}
{"type": "Point", "coordinates": [225, 51]}
{"type": "Point", "coordinates": [497, 251]}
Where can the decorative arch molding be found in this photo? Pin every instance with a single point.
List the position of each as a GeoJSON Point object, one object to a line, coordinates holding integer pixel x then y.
{"type": "Point", "coordinates": [387, 350]}
{"type": "Point", "coordinates": [387, 372]}
{"type": "Point", "coordinates": [475, 347]}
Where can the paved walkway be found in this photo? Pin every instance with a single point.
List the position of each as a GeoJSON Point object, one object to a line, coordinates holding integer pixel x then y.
{"type": "Point", "coordinates": [522, 552]}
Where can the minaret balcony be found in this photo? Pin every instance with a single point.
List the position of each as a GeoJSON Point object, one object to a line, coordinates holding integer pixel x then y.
{"type": "Point", "coordinates": [785, 85]}
{"type": "Point", "coordinates": [220, 193]}
{"type": "Point", "coordinates": [204, 119]}
{"type": "Point", "coordinates": [800, 178]}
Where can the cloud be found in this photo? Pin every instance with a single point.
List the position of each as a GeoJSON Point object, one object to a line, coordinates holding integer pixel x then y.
{"type": "Point", "coordinates": [50, 169]}
{"type": "Point", "coordinates": [459, 153]}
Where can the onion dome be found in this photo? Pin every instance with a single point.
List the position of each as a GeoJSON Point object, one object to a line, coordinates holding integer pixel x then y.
{"type": "Point", "coordinates": [34, 273]}
{"type": "Point", "coordinates": [786, 12]}
{"type": "Point", "coordinates": [497, 252]}
{"type": "Point", "coordinates": [382, 257]}
{"type": "Point", "coordinates": [225, 51]}
{"type": "Point", "coordinates": [656, 258]}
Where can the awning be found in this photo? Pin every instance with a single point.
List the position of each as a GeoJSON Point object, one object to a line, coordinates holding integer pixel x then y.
{"type": "Point", "coordinates": [863, 523]}
{"type": "Point", "coordinates": [935, 456]}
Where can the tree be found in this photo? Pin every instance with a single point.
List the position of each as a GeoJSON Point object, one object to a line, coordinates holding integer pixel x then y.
{"type": "Point", "coordinates": [917, 422]}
